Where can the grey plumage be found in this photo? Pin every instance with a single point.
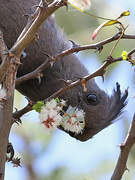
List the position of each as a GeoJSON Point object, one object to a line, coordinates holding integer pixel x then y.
{"type": "Point", "coordinates": [52, 41]}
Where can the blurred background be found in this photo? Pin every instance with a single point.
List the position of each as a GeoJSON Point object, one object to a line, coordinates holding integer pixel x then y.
{"type": "Point", "coordinates": [58, 156]}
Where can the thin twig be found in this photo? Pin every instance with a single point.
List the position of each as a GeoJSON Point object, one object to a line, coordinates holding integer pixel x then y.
{"type": "Point", "coordinates": [125, 148]}
{"type": "Point", "coordinates": [6, 112]}
{"type": "Point", "coordinates": [4, 57]}
{"type": "Point", "coordinates": [30, 21]}
{"type": "Point", "coordinates": [28, 36]}
{"type": "Point", "coordinates": [96, 46]}
{"type": "Point", "coordinates": [98, 72]}
{"type": "Point", "coordinates": [46, 64]}
{"type": "Point", "coordinates": [33, 74]}
{"type": "Point", "coordinates": [8, 71]}
{"type": "Point", "coordinates": [115, 45]}
{"type": "Point", "coordinates": [18, 114]}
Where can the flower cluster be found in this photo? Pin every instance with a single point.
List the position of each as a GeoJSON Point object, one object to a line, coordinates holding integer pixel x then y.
{"type": "Point", "coordinates": [73, 120]}
{"type": "Point", "coordinates": [52, 116]}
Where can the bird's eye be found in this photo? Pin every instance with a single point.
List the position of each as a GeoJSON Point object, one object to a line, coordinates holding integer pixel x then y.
{"type": "Point", "coordinates": [92, 99]}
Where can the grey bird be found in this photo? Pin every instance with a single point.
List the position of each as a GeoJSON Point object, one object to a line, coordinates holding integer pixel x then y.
{"type": "Point", "coordinates": [101, 110]}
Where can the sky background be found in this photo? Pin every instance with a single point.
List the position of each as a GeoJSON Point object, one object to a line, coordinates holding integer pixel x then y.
{"type": "Point", "coordinates": [84, 157]}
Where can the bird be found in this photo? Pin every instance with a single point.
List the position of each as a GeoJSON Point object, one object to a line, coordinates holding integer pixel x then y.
{"type": "Point", "coordinates": [100, 109]}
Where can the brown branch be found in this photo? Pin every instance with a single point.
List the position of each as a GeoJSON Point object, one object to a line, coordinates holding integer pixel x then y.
{"type": "Point", "coordinates": [53, 59]}
{"type": "Point", "coordinates": [31, 19]}
{"type": "Point", "coordinates": [8, 70]}
{"type": "Point", "coordinates": [131, 52]}
{"type": "Point", "coordinates": [28, 35]}
{"type": "Point", "coordinates": [6, 113]}
{"type": "Point", "coordinates": [29, 32]}
{"type": "Point", "coordinates": [98, 72]}
{"type": "Point", "coordinates": [96, 46]}
{"type": "Point", "coordinates": [18, 114]}
{"type": "Point", "coordinates": [4, 57]}
{"type": "Point", "coordinates": [8, 73]}
{"type": "Point", "coordinates": [125, 148]}
{"type": "Point", "coordinates": [33, 74]}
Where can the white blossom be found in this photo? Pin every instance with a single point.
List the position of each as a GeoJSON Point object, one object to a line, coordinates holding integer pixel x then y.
{"type": "Point", "coordinates": [51, 104]}
{"type": "Point", "coordinates": [58, 119]}
{"type": "Point", "coordinates": [63, 102]}
{"type": "Point", "coordinates": [49, 120]}
{"type": "Point", "coordinates": [50, 116]}
{"type": "Point", "coordinates": [71, 120]}
{"type": "Point", "coordinates": [80, 113]}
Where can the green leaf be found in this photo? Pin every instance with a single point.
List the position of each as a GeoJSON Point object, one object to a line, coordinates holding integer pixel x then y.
{"type": "Point", "coordinates": [57, 100]}
{"type": "Point", "coordinates": [38, 106]}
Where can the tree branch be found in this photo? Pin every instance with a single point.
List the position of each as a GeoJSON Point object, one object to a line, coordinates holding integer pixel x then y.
{"type": "Point", "coordinates": [8, 70]}
{"type": "Point", "coordinates": [125, 148]}
{"type": "Point", "coordinates": [4, 57]}
{"type": "Point", "coordinates": [28, 35]}
{"type": "Point", "coordinates": [6, 108]}
{"type": "Point", "coordinates": [18, 114]}
{"type": "Point", "coordinates": [98, 72]}
{"type": "Point", "coordinates": [34, 74]}
{"type": "Point", "coordinates": [53, 59]}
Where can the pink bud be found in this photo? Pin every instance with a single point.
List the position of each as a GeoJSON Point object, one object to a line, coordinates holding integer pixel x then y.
{"type": "Point", "coordinates": [94, 35]}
